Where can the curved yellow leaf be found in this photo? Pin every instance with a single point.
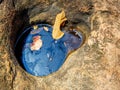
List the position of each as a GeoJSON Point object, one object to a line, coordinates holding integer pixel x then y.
{"type": "Point", "coordinates": [60, 18]}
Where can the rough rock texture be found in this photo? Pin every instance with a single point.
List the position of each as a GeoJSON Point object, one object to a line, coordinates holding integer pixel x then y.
{"type": "Point", "coordinates": [94, 66]}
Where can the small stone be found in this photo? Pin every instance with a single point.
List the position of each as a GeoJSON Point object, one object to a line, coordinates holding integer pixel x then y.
{"type": "Point", "coordinates": [55, 41]}
{"type": "Point", "coordinates": [45, 28]}
{"type": "Point", "coordinates": [37, 43]}
{"type": "Point", "coordinates": [50, 59]}
{"type": "Point", "coordinates": [48, 55]}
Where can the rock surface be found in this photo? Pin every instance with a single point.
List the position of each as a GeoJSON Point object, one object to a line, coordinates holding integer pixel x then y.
{"type": "Point", "coordinates": [94, 66]}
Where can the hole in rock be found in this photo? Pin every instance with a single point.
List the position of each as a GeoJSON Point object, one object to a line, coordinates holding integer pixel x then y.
{"type": "Point", "coordinates": [40, 54]}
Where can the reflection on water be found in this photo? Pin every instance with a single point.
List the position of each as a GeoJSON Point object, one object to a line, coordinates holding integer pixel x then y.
{"type": "Point", "coordinates": [72, 40]}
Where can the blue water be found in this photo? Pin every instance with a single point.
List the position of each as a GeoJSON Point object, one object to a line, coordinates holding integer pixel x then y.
{"type": "Point", "coordinates": [51, 56]}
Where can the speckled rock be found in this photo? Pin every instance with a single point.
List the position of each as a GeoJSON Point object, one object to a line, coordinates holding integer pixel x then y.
{"type": "Point", "coordinates": [94, 66]}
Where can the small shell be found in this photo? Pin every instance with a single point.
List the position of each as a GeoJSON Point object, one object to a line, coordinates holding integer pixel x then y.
{"type": "Point", "coordinates": [45, 28]}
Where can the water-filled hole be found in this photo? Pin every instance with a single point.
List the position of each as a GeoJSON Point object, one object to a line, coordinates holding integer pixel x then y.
{"type": "Point", "coordinates": [40, 54]}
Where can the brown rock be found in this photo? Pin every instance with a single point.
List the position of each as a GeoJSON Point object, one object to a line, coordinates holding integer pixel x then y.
{"type": "Point", "coordinates": [94, 66]}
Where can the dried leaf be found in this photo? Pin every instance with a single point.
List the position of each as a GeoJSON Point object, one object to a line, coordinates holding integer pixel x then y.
{"type": "Point", "coordinates": [35, 27]}
{"type": "Point", "coordinates": [60, 18]}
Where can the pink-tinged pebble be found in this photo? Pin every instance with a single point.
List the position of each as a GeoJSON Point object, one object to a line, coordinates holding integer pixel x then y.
{"type": "Point", "coordinates": [36, 44]}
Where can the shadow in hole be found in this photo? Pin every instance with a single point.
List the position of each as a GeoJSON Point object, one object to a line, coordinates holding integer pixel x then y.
{"type": "Point", "coordinates": [1, 1]}
{"type": "Point", "coordinates": [20, 20]}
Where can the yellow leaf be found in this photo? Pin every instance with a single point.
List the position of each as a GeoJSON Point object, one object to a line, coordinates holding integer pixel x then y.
{"type": "Point", "coordinates": [57, 33]}
{"type": "Point", "coordinates": [35, 27]}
